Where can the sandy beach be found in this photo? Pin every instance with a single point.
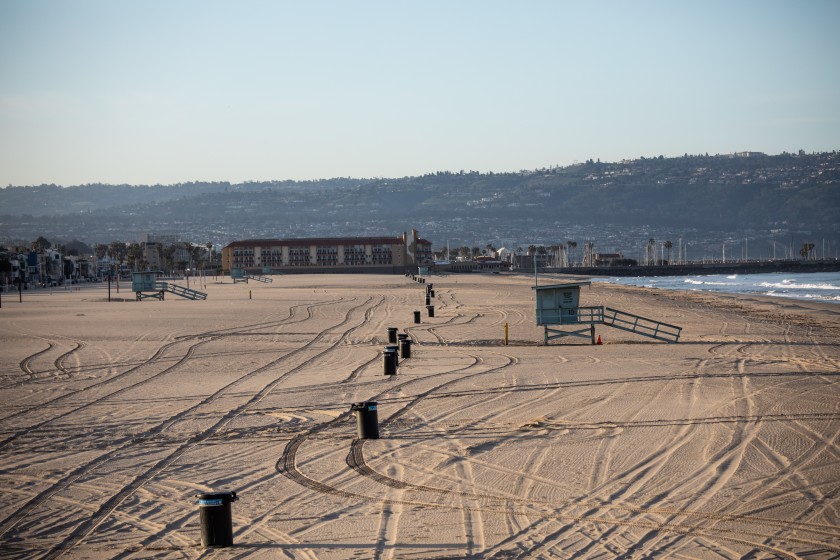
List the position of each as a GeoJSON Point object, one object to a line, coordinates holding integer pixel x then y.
{"type": "Point", "coordinates": [117, 414]}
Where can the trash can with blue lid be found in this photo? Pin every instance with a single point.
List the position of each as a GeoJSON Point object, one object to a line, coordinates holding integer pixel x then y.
{"type": "Point", "coordinates": [215, 517]}
{"type": "Point", "coordinates": [395, 348]}
{"type": "Point", "coordinates": [405, 348]}
{"type": "Point", "coordinates": [389, 362]}
{"type": "Point", "coordinates": [367, 419]}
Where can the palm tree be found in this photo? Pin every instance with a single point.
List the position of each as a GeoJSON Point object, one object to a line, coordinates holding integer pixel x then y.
{"type": "Point", "coordinates": [554, 249]}
{"type": "Point", "coordinates": [133, 255]}
{"type": "Point", "coordinates": [589, 253]}
{"type": "Point", "coordinates": [571, 244]}
{"type": "Point", "coordinates": [41, 244]}
{"type": "Point", "coordinates": [650, 252]}
{"type": "Point", "coordinates": [668, 246]}
{"type": "Point", "coordinates": [100, 249]}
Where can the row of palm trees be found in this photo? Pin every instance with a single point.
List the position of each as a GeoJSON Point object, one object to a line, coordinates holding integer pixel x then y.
{"type": "Point", "coordinates": [172, 257]}
{"type": "Point", "coordinates": [562, 255]}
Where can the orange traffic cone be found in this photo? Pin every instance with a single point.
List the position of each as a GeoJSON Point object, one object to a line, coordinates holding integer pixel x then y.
{"type": "Point", "coordinates": [599, 340]}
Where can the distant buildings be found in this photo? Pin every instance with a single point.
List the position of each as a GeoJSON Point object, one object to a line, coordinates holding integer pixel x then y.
{"type": "Point", "coordinates": [331, 254]}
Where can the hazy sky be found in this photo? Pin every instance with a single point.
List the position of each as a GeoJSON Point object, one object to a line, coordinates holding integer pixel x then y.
{"type": "Point", "coordinates": [151, 91]}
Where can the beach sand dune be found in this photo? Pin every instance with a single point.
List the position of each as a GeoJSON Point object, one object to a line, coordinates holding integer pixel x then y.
{"type": "Point", "coordinates": [116, 414]}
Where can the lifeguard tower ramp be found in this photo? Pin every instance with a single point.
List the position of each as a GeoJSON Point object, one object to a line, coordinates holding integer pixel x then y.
{"type": "Point", "coordinates": [147, 286]}
{"type": "Point", "coordinates": [558, 305]}
{"type": "Point", "coordinates": [181, 291]}
{"type": "Point", "coordinates": [258, 278]}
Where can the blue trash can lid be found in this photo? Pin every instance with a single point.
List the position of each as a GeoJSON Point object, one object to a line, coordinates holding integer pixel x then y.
{"type": "Point", "coordinates": [216, 498]}
{"type": "Point", "coordinates": [369, 405]}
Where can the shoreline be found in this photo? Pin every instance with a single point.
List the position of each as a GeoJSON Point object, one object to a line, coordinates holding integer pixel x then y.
{"type": "Point", "coordinates": [703, 269]}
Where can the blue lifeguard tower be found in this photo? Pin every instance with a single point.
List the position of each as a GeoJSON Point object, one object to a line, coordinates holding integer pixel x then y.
{"type": "Point", "coordinates": [145, 285]}
{"type": "Point", "coordinates": [559, 305]}
{"type": "Point", "coordinates": [238, 275]}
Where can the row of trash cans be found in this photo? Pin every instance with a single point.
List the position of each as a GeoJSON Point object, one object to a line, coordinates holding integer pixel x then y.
{"type": "Point", "coordinates": [393, 352]}
{"type": "Point", "coordinates": [430, 310]}
{"type": "Point", "coordinates": [215, 516]}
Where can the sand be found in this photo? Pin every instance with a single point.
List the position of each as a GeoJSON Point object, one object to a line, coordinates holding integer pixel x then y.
{"type": "Point", "coordinates": [116, 414]}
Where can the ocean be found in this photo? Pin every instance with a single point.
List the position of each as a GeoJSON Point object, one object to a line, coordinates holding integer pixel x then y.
{"type": "Point", "coordinates": [815, 286]}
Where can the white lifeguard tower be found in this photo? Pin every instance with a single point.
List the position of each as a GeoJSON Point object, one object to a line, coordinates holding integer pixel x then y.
{"type": "Point", "coordinates": [559, 305]}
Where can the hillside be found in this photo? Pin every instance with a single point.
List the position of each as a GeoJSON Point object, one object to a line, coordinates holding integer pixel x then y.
{"type": "Point", "coordinates": [730, 193]}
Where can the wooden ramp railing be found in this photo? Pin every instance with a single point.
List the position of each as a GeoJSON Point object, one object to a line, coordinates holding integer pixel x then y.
{"type": "Point", "coordinates": [641, 325]}
{"type": "Point", "coordinates": [181, 291]}
{"type": "Point", "coordinates": [264, 279]}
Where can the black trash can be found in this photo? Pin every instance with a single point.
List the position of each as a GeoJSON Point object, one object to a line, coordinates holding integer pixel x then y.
{"type": "Point", "coordinates": [395, 349]}
{"type": "Point", "coordinates": [405, 348]}
{"type": "Point", "coordinates": [432, 293]}
{"type": "Point", "coordinates": [417, 317]}
{"type": "Point", "coordinates": [392, 334]}
{"type": "Point", "coordinates": [431, 310]}
{"type": "Point", "coordinates": [215, 518]}
{"type": "Point", "coordinates": [367, 419]}
{"type": "Point", "coordinates": [428, 299]}
{"type": "Point", "coordinates": [401, 337]}
{"type": "Point", "coordinates": [431, 286]}
{"type": "Point", "coordinates": [389, 362]}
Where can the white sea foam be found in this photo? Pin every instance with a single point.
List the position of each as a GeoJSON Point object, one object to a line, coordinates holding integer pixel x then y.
{"type": "Point", "coordinates": [822, 286]}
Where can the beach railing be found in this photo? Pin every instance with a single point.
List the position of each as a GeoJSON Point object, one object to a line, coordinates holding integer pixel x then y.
{"type": "Point", "coordinates": [181, 291]}
{"type": "Point", "coordinates": [641, 325]}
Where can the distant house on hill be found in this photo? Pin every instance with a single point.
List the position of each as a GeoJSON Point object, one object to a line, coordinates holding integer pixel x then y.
{"type": "Point", "coordinates": [390, 255]}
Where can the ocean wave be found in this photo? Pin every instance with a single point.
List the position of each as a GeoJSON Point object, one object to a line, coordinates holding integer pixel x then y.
{"type": "Point", "coordinates": [791, 284]}
{"type": "Point", "coordinates": [709, 282]}
{"type": "Point", "coordinates": [824, 287]}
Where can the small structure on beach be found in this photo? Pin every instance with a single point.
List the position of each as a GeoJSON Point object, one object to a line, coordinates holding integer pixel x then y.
{"type": "Point", "coordinates": [238, 275]}
{"type": "Point", "coordinates": [559, 305]}
{"type": "Point", "coordinates": [145, 285]}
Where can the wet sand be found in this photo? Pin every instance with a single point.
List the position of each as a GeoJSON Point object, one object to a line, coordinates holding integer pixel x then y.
{"type": "Point", "coordinates": [116, 414]}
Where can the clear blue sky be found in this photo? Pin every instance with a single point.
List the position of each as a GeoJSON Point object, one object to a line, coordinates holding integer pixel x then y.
{"type": "Point", "coordinates": [151, 91]}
